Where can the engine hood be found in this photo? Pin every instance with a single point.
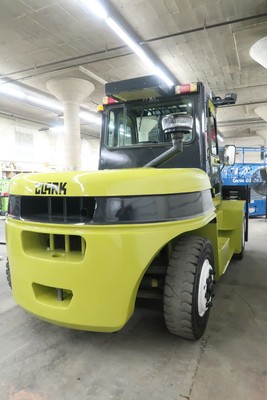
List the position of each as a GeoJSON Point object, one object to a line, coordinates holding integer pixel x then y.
{"type": "Point", "coordinates": [124, 182]}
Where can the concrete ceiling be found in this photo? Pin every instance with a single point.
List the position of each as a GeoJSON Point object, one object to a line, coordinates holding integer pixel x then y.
{"type": "Point", "coordinates": [207, 40]}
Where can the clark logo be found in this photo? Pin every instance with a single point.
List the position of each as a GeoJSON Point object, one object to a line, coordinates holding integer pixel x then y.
{"type": "Point", "coordinates": [51, 188]}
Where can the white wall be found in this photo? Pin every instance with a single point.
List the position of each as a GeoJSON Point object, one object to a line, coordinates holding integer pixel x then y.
{"type": "Point", "coordinates": [30, 149]}
{"type": "Point", "coordinates": [89, 154]}
{"type": "Point", "coordinates": [247, 141]}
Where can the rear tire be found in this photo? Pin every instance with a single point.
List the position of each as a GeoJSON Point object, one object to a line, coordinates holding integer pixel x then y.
{"type": "Point", "coordinates": [188, 289]}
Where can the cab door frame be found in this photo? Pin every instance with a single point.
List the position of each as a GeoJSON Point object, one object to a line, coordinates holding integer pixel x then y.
{"type": "Point", "coordinates": [213, 152]}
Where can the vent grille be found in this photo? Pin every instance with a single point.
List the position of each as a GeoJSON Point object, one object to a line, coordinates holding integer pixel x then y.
{"type": "Point", "coordinates": [70, 210]}
{"type": "Point", "coordinates": [110, 210]}
{"type": "Point", "coordinates": [53, 245]}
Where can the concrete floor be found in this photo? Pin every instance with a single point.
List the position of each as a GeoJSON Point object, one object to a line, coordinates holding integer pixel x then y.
{"type": "Point", "coordinates": [39, 361]}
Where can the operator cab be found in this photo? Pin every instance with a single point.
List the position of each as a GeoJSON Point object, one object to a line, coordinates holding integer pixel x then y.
{"type": "Point", "coordinates": [133, 133]}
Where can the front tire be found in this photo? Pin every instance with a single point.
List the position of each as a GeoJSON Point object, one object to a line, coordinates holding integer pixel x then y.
{"type": "Point", "coordinates": [188, 288]}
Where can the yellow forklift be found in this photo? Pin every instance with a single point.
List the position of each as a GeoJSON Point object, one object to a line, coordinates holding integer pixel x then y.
{"type": "Point", "coordinates": [153, 221]}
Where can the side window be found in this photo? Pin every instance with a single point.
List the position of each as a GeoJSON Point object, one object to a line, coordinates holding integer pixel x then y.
{"type": "Point", "coordinates": [212, 133]}
{"type": "Point", "coordinates": [121, 130]}
{"type": "Point", "coordinates": [213, 136]}
{"type": "Point", "coordinates": [126, 132]}
{"type": "Point", "coordinates": [147, 127]}
{"type": "Point", "coordinates": [111, 130]}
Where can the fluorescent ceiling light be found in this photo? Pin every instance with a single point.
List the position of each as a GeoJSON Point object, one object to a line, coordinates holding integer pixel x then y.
{"type": "Point", "coordinates": [11, 90]}
{"type": "Point", "coordinates": [42, 101]}
{"type": "Point", "coordinates": [137, 49]}
{"type": "Point", "coordinates": [164, 77]}
{"type": "Point", "coordinates": [96, 8]}
{"type": "Point", "coordinates": [92, 75]}
{"type": "Point", "coordinates": [129, 41]}
{"type": "Point", "coordinates": [57, 129]}
{"type": "Point", "coordinates": [87, 117]}
{"type": "Point", "coordinates": [220, 137]}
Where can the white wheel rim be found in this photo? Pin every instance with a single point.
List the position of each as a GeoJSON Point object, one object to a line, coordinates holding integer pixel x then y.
{"type": "Point", "coordinates": [202, 287]}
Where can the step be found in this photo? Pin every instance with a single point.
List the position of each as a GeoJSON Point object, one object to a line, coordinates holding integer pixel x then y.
{"type": "Point", "coordinates": [224, 253]}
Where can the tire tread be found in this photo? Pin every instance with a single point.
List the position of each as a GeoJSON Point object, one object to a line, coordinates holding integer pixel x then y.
{"type": "Point", "coordinates": [179, 286]}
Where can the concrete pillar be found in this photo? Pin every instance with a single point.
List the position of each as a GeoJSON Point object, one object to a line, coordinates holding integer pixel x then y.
{"type": "Point", "coordinates": [71, 92]}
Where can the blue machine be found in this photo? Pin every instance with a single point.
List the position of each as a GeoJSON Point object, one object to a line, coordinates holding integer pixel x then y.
{"type": "Point", "coordinates": [245, 173]}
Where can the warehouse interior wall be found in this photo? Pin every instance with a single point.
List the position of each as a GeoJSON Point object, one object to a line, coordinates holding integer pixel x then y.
{"type": "Point", "coordinates": [25, 147]}
{"type": "Point", "coordinates": [31, 149]}
{"type": "Point", "coordinates": [248, 141]}
{"type": "Point", "coordinates": [90, 154]}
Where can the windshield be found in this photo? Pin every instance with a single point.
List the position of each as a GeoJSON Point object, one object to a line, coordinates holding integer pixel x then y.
{"type": "Point", "coordinates": [133, 125]}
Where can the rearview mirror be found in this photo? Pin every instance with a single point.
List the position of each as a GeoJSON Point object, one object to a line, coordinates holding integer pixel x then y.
{"type": "Point", "coordinates": [229, 154]}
